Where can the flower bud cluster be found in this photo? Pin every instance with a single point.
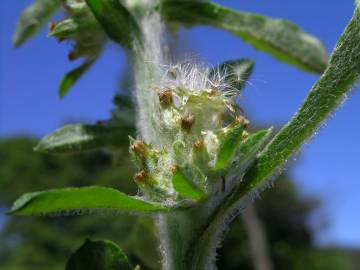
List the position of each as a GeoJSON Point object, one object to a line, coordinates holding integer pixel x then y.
{"type": "Point", "coordinates": [193, 127]}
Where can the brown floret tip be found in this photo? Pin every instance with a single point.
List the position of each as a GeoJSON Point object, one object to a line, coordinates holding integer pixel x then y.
{"type": "Point", "coordinates": [187, 121]}
{"type": "Point", "coordinates": [73, 56]}
{"type": "Point", "coordinates": [52, 26]}
{"type": "Point", "coordinates": [198, 146]}
{"type": "Point", "coordinates": [139, 147]}
{"type": "Point", "coordinates": [240, 119]}
{"type": "Point", "coordinates": [141, 176]}
{"type": "Point", "coordinates": [165, 97]}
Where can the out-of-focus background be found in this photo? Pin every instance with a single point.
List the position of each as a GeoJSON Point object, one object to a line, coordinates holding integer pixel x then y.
{"type": "Point", "coordinates": [310, 218]}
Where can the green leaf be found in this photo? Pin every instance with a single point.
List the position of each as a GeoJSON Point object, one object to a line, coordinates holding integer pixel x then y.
{"type": "Point", "coordinates": [253, 144]}
{"type": "Point", "coordinates": [98, 255]}
{"type": "Point", "coordinates": [33, 18]}
{"type": "Point", "coordinates": [76, 138]}
{"type": "Point", "coordinates": [326, 95]}
{"type": "Point", "coordinates": [74, 200]}
{"type": "Point", "coordinates": [236, 72]}
{"type": "Point", "coordinates": [116, 20]}
{"type": "Point", "coordinates": [280, 38]}
{"type": "Point", "coordinates": [65, 29]}
{"type": "Point", "coordinates": [73, 76]}
{"type": "Point", "coordinates": [70, 28]}
{"type": "Point", "coordinates": [185, 187]}
{"type": "Point", "coordinates": [228, 145]}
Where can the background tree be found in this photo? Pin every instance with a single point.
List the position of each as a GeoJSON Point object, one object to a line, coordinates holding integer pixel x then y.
{"type": "Point", "coordinates": [39, 243]}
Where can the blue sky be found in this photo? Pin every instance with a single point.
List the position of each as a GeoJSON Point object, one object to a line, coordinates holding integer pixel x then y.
{"type": "Point", "coordinates": [326, 167]}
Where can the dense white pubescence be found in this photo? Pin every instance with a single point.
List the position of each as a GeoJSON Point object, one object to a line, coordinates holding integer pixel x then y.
{"type": "Point", "coordinates": [195, 77]}
{"type": "Point", "coordinates": [182, 109]}
{"type": "Point", "coordinates": [148, 73]}
{"type": "Point", "coordinates": [188, 81]}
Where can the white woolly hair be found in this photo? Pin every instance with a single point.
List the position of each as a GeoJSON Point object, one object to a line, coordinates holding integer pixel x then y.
{"type": "Point", "coordinates": [154, 71]}
{"type": "Point", "coordinates": [195, 77]}
{"type": "Point", "coordinates": [148, 61]}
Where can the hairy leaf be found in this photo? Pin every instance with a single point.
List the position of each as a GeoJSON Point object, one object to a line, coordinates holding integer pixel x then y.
{"type": "Point", "coordinates": [73, 200]}
{"type": "Point", "coordinates": [280, 38]}
{"type": "Point", "coordinates": [339, 78]}
{"type": "Point", "coordinates": [98, 255]}
{"type": "Point", "coordinates": [76, 138]}
{"type": "Point", "coordinates": [185, 187]}
{"type": "Point", "coordinates": [33, 18]}
{"type": "Point", "coordinates": [117, 21]}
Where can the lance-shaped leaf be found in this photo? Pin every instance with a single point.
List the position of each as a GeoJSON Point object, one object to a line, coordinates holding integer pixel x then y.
{"type": "Point", "coordinates": [280, 38]}
{"type": "Point", "coordinates": [236, 72]}
{"type": "Point", "coordinates": [89, 39]}
{"type": "Point", "coordinates": [327, 94]}
{"type": "Point", "coordinates": [76, 138]}
{"type": "Point", "coordinates": [65, 29]}
{"type": "Point", "coordinates": [185, 187]}
{"type": "Point", "coordinates": [228, 145]}
{"type": "Point", "coordinates": [74, 200]}
{"type": "Point", "coordinates": [73, 27]}
{"type": "Point", "coordinates": [73, 76]}
{"type": "Point", "coordinates": [33, 18]}
{"type": "Point", "coordinates": [98, 255]}
{"type": "Point", "coordinates": [116, 20]}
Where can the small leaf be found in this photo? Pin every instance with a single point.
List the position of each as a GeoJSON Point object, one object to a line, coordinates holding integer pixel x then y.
{"type": "Point", "coordinates": [64, 29]}
{"type": "Point", "coordinates": [185, 187]}
{"type": "Point", "coordinates": [228, 145]}
{"type": "Point", "coordinates": [73, 76]}
{"type": "Point", "coordinates": [33, 18]}
{"type": "Point", "coordinates": [253, 144]}
{"type": "Point", "coordinates": [236, 72]}
{"type": "Point", "coordinates": [76, 138]}
{"type": "Point", "coordinates": [98, 255]}
{"type": "Point", "coordinates": [73, 200]}
{"type": "Point", "coordinates": [117, 21]}
{"type": "Point", "coordinates": [325, 96]}
{"type": "Point", "coordinates": [280, 38]}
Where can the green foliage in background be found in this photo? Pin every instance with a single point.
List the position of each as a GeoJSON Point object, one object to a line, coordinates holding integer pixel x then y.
{"type": "Point", "coordinates": [39, 243]}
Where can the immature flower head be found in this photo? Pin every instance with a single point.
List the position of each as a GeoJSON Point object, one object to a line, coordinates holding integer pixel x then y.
{"type": "Point", "coordinates": [186, 119]}
{"type": "Point", "coordinates": [165, 97]}
{"type": "Point", "coordinates": [189, 118]}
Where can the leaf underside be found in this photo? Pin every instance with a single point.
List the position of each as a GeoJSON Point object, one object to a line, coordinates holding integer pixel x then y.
{"type": "Point", "coordinates": [280, 38]}
{"type": "Point", "coordinates": [78, 137]}
{"type": "Point", "coordinates": [33, 18]}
